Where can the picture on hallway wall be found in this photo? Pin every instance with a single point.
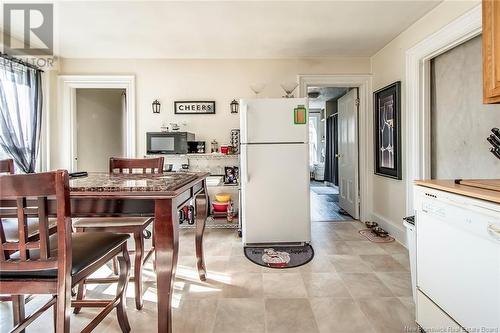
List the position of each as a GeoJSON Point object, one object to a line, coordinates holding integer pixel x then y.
{"type": "Point", "coordinates": [387, 131]}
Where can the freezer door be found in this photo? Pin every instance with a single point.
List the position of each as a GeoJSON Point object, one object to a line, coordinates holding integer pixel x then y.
{"type": "Point", "coordinates": [271, 120]}
{"type": "Point", "coordinates": [275, 193]}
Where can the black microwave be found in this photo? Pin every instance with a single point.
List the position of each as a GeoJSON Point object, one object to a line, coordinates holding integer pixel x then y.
{"type": "Point", "coordinates": [168, 142]}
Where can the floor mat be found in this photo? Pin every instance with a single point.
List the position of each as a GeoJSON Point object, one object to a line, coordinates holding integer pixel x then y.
{"type": "Point", "coordinates": [280, 256]}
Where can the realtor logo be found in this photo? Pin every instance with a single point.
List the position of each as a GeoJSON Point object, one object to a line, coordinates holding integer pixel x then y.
{"type": "Point", "coordinates": [28, 29]}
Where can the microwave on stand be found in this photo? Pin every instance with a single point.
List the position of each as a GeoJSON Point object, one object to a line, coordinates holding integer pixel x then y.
{"type": "Point", "coordinates": [168, 142]}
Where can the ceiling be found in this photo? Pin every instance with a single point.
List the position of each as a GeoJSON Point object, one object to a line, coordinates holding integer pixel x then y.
{"type": "Point", "coordinates": [230, 29]}
{"type": "Point", "coordinates": [325, 94]}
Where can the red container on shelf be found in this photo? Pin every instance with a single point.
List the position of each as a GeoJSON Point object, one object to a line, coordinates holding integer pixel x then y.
{"type": "Point", "coordinates": [220, 206]}
{"type": "Point", "coordinates": [224, 149]}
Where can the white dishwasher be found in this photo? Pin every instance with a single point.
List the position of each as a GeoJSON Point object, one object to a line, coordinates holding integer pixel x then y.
{"type": "Point", "coordinates": [458, 261]}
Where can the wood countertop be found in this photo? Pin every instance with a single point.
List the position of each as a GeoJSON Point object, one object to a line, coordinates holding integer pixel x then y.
{"type": "Point", "coordinates": [484, 189]}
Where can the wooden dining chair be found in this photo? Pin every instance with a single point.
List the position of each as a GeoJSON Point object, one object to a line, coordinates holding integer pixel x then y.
{"type": "Point", "coordinates": [53, 264]}
{"type": "Point", "coordinates": [10, 230]}
{"type": "Point", "coordinates": [7, 166]}
{"type": "Point", "coordinates": [133, 225]}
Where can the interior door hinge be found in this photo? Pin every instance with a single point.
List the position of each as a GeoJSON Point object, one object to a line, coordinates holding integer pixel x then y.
{"type": "Point", "coordinates": [357, 102]}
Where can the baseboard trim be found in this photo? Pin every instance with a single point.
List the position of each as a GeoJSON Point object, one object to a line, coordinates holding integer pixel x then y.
{"type": "Point", "coordinates": [398, 233]}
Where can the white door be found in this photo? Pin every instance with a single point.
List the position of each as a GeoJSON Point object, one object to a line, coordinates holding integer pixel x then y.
{"type": "Point", "coordinates": [271, 120]}
{"type": "Point", "coordinates": [275, 193]}
{"type": "Point", "coordinates": [348, 153]}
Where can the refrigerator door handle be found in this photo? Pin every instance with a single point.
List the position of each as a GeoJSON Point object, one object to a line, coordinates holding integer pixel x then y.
{"type": "Point", "coordinates": [246, 124]}
{"type": "Point", "coordinates": [247, 176]}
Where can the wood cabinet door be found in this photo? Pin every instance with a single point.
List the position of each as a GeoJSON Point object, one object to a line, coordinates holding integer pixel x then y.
{"type": "Point", "coordinates": [491, 51]}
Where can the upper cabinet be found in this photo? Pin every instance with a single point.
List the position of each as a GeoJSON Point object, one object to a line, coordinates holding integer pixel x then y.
{"type": "Point", "coordinates": [491, 51]}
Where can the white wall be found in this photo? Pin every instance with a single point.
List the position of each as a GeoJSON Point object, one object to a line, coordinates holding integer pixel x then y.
{"type": "Point", "coordinates": [388, 66]}
{"type": "Point", "coordinates": [219, 80]}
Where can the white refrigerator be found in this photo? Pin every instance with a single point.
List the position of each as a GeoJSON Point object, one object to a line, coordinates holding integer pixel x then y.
{"type": "Point", "coordinates": [274, 173]}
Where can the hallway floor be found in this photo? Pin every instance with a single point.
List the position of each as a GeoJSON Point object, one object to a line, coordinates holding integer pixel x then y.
{"type": "Point", "coordinates": [351, 285]}
{"type": "Point", "coordinates": [325, 203]}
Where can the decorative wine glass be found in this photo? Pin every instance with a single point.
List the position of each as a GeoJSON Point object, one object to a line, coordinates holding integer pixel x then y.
{"type": "Point", "coordinates": [289, 87]}
{"type": "Point", "coordinates": [257, 88]}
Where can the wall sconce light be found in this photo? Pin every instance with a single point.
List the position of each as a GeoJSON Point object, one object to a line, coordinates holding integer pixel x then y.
{"type": "Point", "coordinates": [156, 106]}
{"type": "Point", "coordinates": [235, 106]}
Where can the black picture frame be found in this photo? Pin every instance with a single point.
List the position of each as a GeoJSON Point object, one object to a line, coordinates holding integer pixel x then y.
{"type": "Point", "coordinates": [178, 103]}
{"type": "Point", "coordinates": [387, 131]}
{"type": "Point", "coordinates": [231, 175]}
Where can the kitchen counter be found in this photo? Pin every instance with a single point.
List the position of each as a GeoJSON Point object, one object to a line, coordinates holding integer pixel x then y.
{"type": "Point", "coordinates": [484, 189]}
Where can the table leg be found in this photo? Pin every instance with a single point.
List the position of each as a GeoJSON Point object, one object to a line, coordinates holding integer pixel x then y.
{"type": "Point", "coordinates": [201, 201]}
{"type": "Point", "coordinates": [166, 249]}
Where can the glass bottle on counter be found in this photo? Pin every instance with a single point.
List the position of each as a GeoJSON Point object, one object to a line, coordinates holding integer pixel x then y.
{"type": "Point", "coordinates": [230, 212]}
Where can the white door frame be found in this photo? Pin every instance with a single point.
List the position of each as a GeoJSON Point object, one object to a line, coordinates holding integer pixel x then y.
{"type": "Point", "coordinates": [418, 93]}
{"type": "Point", "coordinates": [67, 85]}
{"type": "Point", "coordinates": [364, 84]}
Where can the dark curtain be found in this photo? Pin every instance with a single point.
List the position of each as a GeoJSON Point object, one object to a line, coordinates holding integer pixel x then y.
{"type": "Point", "coordinates": [21, 101]}
{"type": "Point", "coordinates": [331, 162]}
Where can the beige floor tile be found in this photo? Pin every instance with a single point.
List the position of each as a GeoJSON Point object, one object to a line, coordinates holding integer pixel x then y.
{"type": "Point", "coordinates": [403, 259]}
{"type": "Point", "coordinates": [331, 248]}
{"type": "Point", "coordinates": [362, 285]}
{"type": "Point", "coordinates": [358, 225]}
{"type": "Point", "coordinates": [393, 247]}
{"type": "Point", "coordinates": [383, 263]}
{"type": "Point", "coordinates": [290, 316]}
{"type": "Point", "coordinates": [364, 247]}
{"type": "Point", "coordinates": [320, 264]}
{"type": "Point", "coordinates": [324, 285]}
{"type": "Point", "coordinates": [286, 285]}
{"type": "Point", "coordinates": [339, 315]}
{"type": "Point", "coordinates": [243, 285]}
{"type": "Point", "coordinates": [240, 264]}
{"type": "Point", "coordinates": [398, 282]}
{"type": "Point", "coordinates": [349, 234]}
{"type": "Point", "coordinates": [349, 263]}
{"type": "Point", "coordinates": [409, 303]}
{"type": "Point", "coordinates": [388, 315]}
{"type": "Point", "coordinates": [240, 315]}
{"type": "Point", "coordinates": [215, 246]}
{"type": "Point", "coordinates": [191, 289]}
{"type": "Point", "coordinates": [194, 316]}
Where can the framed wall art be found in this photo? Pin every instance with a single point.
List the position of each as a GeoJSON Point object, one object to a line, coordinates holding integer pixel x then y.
{"type": "Point", "coordinates": [387, 131]}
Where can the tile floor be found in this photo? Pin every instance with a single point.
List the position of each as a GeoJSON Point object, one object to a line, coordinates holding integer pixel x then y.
{"type": "Point", "coordinates": [352, 285]}
{"type": "Point", "coordinates": [325, 203]}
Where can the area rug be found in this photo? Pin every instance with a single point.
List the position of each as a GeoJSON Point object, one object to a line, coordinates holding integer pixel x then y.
{"type": "Point", "coordinates": [280, 256]}
{"type": "Point", "coordinates": [368, 234]}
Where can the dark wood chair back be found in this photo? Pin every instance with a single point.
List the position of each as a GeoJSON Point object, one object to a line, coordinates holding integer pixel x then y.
{"type": "Point", "coordinates": [7, 166]}
{"type": "Point", "coordinates": [24, 196]}
{"type": "Point", "coordinates": [131, 165]}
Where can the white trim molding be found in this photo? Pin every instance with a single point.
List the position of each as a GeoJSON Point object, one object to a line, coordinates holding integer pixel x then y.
{"type": "Point", "coordinates": [418, 136]}
{"type": "Point", "coordinates": [364, 83]}
{"type": "Point", "coordinates": [67, 85]}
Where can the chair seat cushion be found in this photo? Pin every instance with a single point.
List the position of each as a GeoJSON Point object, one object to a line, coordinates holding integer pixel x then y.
{"type": "Point", "coordinates": [103, 222]}
{"type": "Point", "coordinates": [87, 248]}
{"type": "Point", "coordinates": [10, 228]}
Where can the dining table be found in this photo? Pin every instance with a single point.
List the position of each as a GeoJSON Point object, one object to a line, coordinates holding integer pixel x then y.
{"type": "Point", "coordinates": [102, 194]}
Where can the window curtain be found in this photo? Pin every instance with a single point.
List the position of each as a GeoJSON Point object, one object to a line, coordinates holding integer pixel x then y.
{"type": "Point", "coordinates": [21, 101]}
{"type": "Point", "coordinates": [331, 161]}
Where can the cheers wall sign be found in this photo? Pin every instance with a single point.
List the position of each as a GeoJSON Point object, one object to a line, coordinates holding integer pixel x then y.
{"type": "Point", "coordinates": [194, 107]}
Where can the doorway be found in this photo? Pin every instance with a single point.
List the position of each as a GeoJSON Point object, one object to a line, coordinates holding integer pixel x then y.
{"type": "Point", "coordinates": [100, 127]}
{"type": "Point", "coordinates": [66, 112]}
{"type": "Point", "coordinates": [333, 139]}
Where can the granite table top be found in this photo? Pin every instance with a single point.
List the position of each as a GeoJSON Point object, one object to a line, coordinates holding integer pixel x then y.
{"type": "Point", "coordinates": [168, 183]}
